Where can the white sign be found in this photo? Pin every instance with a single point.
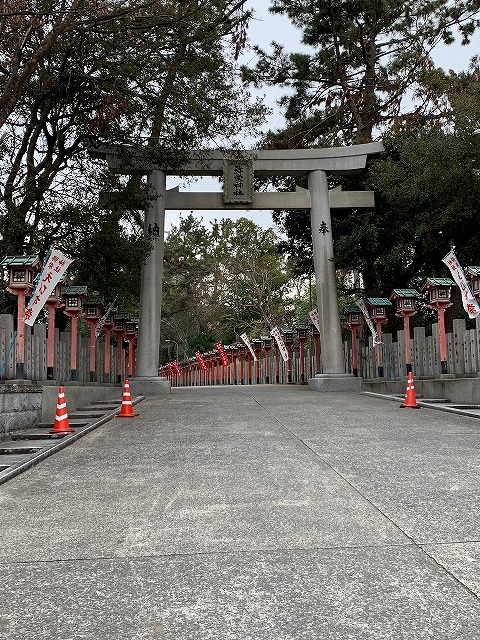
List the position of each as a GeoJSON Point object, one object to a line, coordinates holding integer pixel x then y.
{"type": "Point", "coordinates": [53, 272]}
{"type": "Point", "coordinates": [469, 301]}
{"type": "Point", "coordinates": [275, 332]}
{"type": "Point", "coordinates": [363, 308]}
{"type": "Point", "coordinates": [245, 339]}
{"type": "Point", "coordinates": [315, 318]}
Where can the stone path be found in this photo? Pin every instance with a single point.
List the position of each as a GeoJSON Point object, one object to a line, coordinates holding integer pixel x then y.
{"type": "Point", "coordinates": [262, 513]}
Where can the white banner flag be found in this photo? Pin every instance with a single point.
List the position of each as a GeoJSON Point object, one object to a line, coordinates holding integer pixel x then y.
{"type": "Point", "coordinates": [275, 332]}
{"type": "Point", "coordinates": [53, 272]}
{"type": "Point", "coordinates": [245, 339]}
{"type": "Point", "coordinates": [363, 308]}
{"type": "Point", "coordinates": [469, 301]}
{"type": "Point", "coordinates": [315, 318]}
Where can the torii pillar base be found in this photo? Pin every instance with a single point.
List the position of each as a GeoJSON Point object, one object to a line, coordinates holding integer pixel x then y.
{"type": "Point", "coordinates": [149, 386]}
{"type": "Point", "coordinates": [327, 382]}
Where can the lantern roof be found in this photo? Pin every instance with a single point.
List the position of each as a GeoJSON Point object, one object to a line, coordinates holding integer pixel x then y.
{"type": "Point", "coordinates": [377, 302]}
{"type": "Point", "coordinates": [472, 271]}
{"type": "Point", "coordinates": [437, 282]}
{"type": "Point", "coordinates": [20, 261]}
{"type": "Point", "coordinates": [75, 290]}
{"type": "Point", "coordinates": [352, 308]}
{"type": "Point", "coordinates": [404, 293]}
{"type": "Point", "coordinates": [95, 298]}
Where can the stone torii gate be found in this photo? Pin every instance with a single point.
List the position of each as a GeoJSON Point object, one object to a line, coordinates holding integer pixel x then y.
{"type": "Point", "coordinates": [238, 194]}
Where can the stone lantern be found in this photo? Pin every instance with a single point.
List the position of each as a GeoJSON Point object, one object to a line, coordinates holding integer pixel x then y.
{"type": "Point", "coordinates": [119, 332]}
{"type": "Point", "coordinates": [315, 333]}
{"type": "Point", "coordinates": [354, 321]}
{"type": "Point", "coordinates": [131, 331]}
{"type": "Point", "coordinates": [242, 352]}
{"type": "Point", "coordinates": [302, 331]}
{"type": "Point", "coordinates": [288, 337]}
{"type": "Point", "coordinates": [54, 301]}
{"type": "Point", "coordinates": [267, 347]}
{"type": "Point", "coordinates": [107, 327]}
{"type": "Point", "coordinates": [404, 300]}
{"type": "Point", "coordinates": [438, 297]}
{"type": "Point", "coordinates": [378, 312]}
{"type": "Point", "coordinates": [473, 276]}
{"type": "Point", "coordinates": [257, 344]}
{"type": "Point", "coordinates": [21, 275]}
{"type": "Point", "coordinates": [94, 309]}
{"type": "Point", "coordinates": [74, 299]}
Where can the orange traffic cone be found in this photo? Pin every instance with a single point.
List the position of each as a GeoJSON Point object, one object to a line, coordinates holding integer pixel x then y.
{"type": "Point", "coordinates": [410, 397]}
{"type": "Point", "coordinates": [127, 408]}
{"type": "Point", "coordinates": [61, 416]}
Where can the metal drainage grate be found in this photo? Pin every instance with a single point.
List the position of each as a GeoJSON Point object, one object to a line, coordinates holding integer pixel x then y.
{"type": "Point", "coordinates": [465, 406]}
{"type": "Point", "coordinates": [19, 450]}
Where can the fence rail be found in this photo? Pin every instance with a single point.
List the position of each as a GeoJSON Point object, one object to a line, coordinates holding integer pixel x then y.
{"type": "Point", "coordinates": [463, 358]}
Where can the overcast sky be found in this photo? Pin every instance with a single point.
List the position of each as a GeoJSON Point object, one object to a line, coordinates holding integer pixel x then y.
{"type": "Point", "coordinates": [262, 30]}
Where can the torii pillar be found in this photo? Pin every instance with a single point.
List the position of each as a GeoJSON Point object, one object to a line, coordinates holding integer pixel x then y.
{"type": "Point", "coordinates": [146, 380]}
{"type": "Point", "coordinates": [333, 377]}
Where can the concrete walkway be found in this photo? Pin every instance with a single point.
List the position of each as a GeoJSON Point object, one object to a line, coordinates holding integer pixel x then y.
{"type": "Point", "coordinates": [259, 513]}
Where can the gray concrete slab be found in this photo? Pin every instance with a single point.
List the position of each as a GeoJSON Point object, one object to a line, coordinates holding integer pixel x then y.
{"type": "Point", "coordinates": [257, 512]}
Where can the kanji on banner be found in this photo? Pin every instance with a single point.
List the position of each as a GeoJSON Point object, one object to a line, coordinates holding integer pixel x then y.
{"type": "Point", "coordinates": [275, 332]}
{"type": "Point", "coordinates": [315, 318]}
{"type": "Point", "coordinates": [175, 368]}
{"type": "Point", "coordinates": [248, 344]}
{"type": "Point", "coordinates": [53, 272]}
{"type": "Point", "coordinates": [469, 301]}
{"type": "Point", "coordinates": [219, 347]}
{"type": "Point", "coordinates": [363, 308]}
{"type": "Point", "coordinates": [200, 361]}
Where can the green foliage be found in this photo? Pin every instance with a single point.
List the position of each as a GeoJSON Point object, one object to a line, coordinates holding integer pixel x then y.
{"type": "Point", "coordinates": [220, 282]}
{"type": "Point", "coordinates": [361, 60]}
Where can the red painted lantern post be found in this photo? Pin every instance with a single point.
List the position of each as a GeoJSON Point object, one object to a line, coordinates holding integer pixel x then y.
{"type": "Point", "coordinates": [131, 328]}
{"type": "Point", "coordinates": [354, 322]}
{"type": "Point", "coordinates": [302, 335]}
{"type": "Point", "coordinates": [257, 345]}
{"type": "Point", "coordinates": [242, 350]}
{"type": "Point", "coordinates": [378, 312]}
{"type": "Point", "coordinates": [267, 347]}
{"type": "Point", "coordinates": [316, 346]}
{"type": "Point", "coordinates": [438, 291]}
{"type": "Point", "coordinates": [405, 308]}
{"type": "Point", "coordinates": [54, 301]}
{"type": "Point", "coordinates": [94, 309]}
{"type": "Point", "coordinates": [22, 270]}
{"type": "Point", "coordinates": [107, 327]}
{"type": "Point", "coordinates": [289, 339]}
{"type": "Point", "coordinates": [74, 298]}
{"type": "Point", "coordinates": [119, 332]}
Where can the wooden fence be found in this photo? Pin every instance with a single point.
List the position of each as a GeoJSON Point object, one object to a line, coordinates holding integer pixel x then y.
{"type": "Point", "coordinates": [463, 358]}
{"type": "Point", "coordinates": [463, 353]}
{"type": "Point", "coordinates": [36, 354]}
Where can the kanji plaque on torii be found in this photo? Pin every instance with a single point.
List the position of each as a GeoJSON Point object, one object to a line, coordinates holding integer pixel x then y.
{"type": "Point", "coordinates": [238, 181]}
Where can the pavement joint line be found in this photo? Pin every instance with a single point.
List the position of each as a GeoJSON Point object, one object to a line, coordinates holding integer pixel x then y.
{"type": "Point", "coordinates": [233, 552]}
{"type": "Point", "coordinates": [48, 451]}
{"type": "Point", "coordinates": [413, 542]}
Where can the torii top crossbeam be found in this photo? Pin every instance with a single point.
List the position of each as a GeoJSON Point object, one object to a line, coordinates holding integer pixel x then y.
{"type": "Point", "coordinates": [288, 162]}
